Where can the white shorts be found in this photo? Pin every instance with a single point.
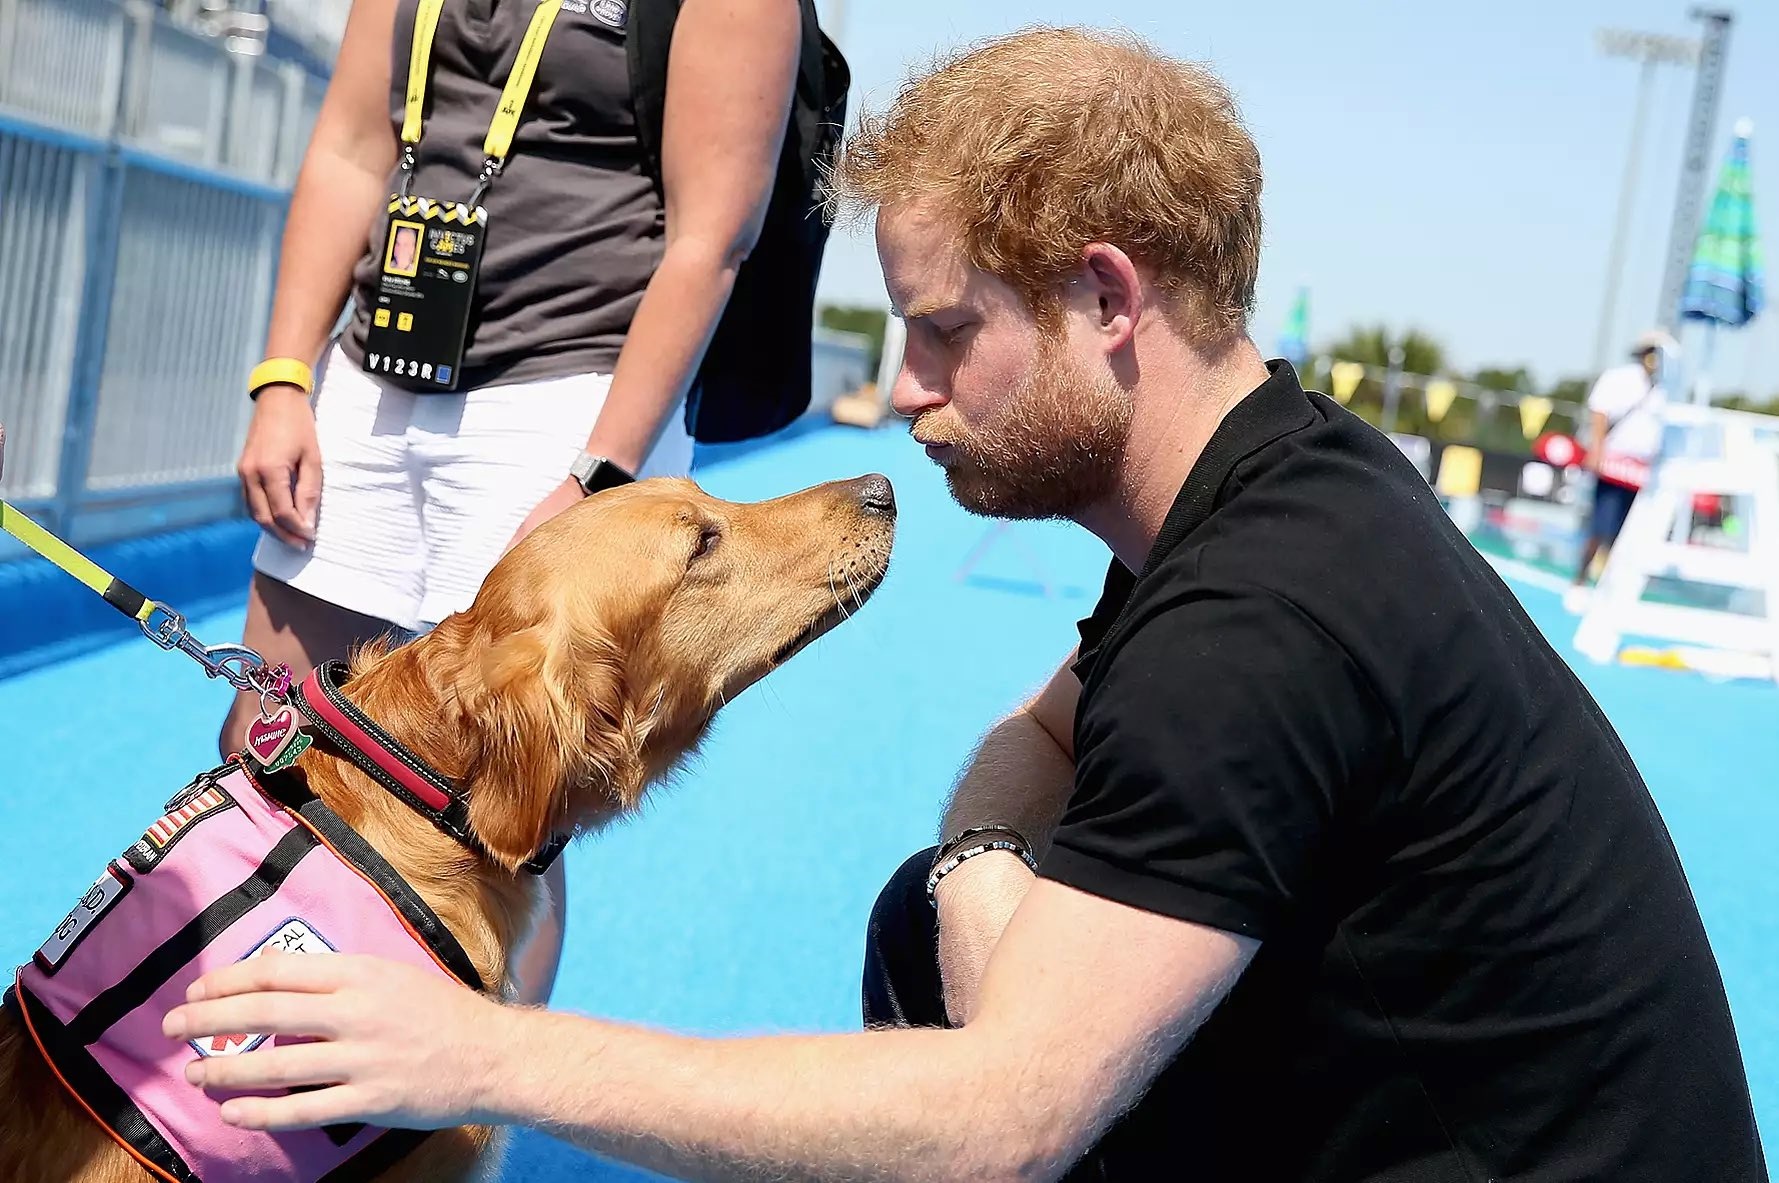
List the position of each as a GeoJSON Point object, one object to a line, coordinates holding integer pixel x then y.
{"type": "Point", "coordinates": [420, 493]}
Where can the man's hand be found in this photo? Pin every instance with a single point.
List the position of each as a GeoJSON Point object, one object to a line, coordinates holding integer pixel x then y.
{"type": "Point", "coordinates": [568, 493]}
{"type": "Point", "coordinates": [393, 1045]}
{"type": "Point", "coordinates": [975, 903]}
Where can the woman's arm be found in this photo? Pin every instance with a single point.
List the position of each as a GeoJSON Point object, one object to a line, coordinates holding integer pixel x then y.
{"type": "Point", "coordinates": [729, 79]}
{"type": "Point", "coordinates": [340, 189]}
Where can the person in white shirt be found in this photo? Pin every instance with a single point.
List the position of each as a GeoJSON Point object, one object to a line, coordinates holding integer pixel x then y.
{"type": "Point", "coordinates": [1625, 434]}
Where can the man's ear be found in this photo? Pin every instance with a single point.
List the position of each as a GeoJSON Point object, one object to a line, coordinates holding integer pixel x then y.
{"type": "Point", "coordinates": [545, 718]}
{"type": "Point", "coordinates": [1111, 287]}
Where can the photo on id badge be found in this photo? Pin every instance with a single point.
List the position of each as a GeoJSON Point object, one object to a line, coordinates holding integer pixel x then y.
{"type": "Point", "coordinates": [402, 255]}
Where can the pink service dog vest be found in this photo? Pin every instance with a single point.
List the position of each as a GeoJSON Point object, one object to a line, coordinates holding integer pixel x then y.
{"type": "Point", "coordinates": [232, 870]}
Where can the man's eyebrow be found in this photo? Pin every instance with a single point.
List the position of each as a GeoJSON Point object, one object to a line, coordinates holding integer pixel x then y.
{"type": "Point", "coordinates": [928, 307]}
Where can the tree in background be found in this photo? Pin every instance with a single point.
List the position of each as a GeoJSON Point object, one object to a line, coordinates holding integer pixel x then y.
{"type": "Point", "coordinates": [1572, 418]}
{"type": "Point", "coordinates": [1489, 423]}
{"type": "Point", "coordinates": [1516, 380]}
{"type": "Point", "coordinates": [848, 318]}
{"type": "Point", "coordinates": [1737, 401]}
{"type": "Point", "coordinates": [1421, 354]}
{"type": "Point", "coordinates": [1570, 390]}
{"type": "Point", "coordinates": [1371, 346]}
{"type": "Point", "coordinates": [1495, 423]}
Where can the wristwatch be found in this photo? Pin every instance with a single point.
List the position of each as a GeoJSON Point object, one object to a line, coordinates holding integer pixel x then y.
{"type": "Point", "coordinates": [594, 473]}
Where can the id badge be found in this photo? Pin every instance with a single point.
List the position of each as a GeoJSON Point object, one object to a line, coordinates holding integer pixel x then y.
{"type": "Point", "coordinates": [432, 255]}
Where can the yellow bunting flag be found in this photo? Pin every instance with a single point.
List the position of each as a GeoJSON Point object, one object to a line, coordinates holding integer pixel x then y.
{"type": "Point", "coordinates": [1440, 396]}
{"type": "Point", "coordinates": [1534, 412]}
{"type": "Point", "coordinates": [1344, 377]}
{"type": "Point", "coordinates": [1460, 472]}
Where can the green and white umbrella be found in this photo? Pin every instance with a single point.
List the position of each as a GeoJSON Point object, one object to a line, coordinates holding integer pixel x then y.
{"type": "Point", "coordinates": [1726, 284]}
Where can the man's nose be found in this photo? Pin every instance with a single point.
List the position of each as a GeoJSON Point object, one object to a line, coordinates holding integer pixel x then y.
{"type": "Point", "coordinates": [909, 396]}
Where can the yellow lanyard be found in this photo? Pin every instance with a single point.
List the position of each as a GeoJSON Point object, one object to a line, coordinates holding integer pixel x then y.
{"type": "Point", "coordinates": [513, 96]}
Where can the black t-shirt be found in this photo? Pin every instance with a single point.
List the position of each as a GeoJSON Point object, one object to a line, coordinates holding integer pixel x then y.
{"type": "Point", "coordinates": [1318, 718]}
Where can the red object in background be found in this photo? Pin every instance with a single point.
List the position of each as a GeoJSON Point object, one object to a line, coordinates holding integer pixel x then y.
{"type": "Point", "coordinates": [1708, 505]}
{"type": "Point", "coordinates": [1558, 450]}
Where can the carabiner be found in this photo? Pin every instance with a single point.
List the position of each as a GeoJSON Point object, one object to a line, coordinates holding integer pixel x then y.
{"type": "Point", "coordinates": [237, 665]}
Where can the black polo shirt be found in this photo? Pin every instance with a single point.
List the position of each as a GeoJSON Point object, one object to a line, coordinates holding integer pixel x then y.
{"type": "Point", "coordinates": [1318, 718]}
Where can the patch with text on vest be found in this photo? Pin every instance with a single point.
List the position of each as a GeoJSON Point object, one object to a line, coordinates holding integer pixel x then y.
{"type": "Point", "coordinates": [147, 852]}
{"type": "Point", "coordinates": [293, 936]}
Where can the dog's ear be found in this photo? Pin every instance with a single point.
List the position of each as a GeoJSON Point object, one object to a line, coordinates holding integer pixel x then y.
{"type": "Point", "coordinates": [546, 717]}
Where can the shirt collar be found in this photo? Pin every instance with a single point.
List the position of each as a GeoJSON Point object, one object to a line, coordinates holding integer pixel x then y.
{"type": "Point", "coordinates": [1275, 408]}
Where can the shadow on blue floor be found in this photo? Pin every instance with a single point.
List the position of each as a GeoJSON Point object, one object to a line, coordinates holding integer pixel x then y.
{"type": "Point", "coordinates": [736, 902]}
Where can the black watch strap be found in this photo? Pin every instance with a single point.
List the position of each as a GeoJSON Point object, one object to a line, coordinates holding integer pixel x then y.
{"type": "Point", "coordinates": [596, 473]}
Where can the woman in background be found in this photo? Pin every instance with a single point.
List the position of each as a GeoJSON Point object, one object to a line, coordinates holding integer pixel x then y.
{"type": "Point", "coordinates": [383, 506]}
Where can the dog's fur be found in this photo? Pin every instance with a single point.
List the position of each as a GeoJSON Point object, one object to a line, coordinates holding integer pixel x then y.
{"type": "Point", "coordinates": [593, 658]}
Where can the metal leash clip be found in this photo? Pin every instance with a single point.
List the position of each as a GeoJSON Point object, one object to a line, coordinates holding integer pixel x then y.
{"type": "Point", "coordinates": [237, 665]}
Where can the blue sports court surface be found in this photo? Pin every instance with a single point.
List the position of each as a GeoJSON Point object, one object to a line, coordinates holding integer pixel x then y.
{"type": "Point", "coordinates": [736, 902]}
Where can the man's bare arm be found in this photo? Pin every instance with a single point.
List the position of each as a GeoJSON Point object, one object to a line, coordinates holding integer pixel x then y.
{"type": "Point", "coordinates": [1024, 768]}
{"type": "Point", "coordinates": [1084, 1002]}
{"type": "Point", "coordinates": [1021, 775]}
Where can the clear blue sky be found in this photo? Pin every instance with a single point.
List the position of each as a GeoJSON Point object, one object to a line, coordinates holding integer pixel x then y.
{"type": "Point", "coordinates": [1454, 167]}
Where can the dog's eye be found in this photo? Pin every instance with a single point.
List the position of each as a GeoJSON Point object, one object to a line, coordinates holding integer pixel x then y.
{"type": "Point", "coordinates": [707, 542]}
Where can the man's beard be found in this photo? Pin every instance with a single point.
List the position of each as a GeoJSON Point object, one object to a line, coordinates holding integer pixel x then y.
{"type": "Point", "coordinates": [1053, 451]}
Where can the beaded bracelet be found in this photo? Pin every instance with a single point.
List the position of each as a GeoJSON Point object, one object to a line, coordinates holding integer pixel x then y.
{"type": "Point", "coordinates": [963, 848]}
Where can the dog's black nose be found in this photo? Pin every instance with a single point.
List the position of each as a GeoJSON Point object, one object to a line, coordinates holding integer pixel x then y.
{"type": "Point", "coordinates": [875, 494]}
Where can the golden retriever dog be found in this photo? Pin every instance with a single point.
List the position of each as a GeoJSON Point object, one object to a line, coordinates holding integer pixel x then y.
{"type": "Point", "coordinates": [594, 657]}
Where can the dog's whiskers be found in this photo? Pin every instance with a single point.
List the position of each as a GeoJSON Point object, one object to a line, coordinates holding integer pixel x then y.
{"type": "Point", "coordinates": [838, 602]}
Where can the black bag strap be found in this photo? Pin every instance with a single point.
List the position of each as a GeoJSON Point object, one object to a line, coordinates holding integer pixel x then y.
{"type": "Point", "coordinates": [755, 375]}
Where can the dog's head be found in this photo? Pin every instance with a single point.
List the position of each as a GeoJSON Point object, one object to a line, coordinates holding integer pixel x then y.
{"type": "Point", "coordinates": [599, 649]}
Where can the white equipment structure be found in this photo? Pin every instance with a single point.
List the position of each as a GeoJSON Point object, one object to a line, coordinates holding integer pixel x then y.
{"type": "Point", "coordinates": [1731, 455]}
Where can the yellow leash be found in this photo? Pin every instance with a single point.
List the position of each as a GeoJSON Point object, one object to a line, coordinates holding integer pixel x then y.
{"type": "Point", "coordinates": [115, 591]}
{"type": "Point", "coordinates": [238, 665]}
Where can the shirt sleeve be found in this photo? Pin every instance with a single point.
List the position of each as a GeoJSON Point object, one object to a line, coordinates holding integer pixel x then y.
{"type": "Point", "coordinates": [1093, 629]}
{"type": "Point", "coordinates": [1612, 394]}
{"type": "Point", "coordinates": [1213, 753]}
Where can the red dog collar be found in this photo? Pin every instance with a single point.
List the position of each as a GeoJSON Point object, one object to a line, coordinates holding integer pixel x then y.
{"type": "Point", "coordinates": [393, 766]}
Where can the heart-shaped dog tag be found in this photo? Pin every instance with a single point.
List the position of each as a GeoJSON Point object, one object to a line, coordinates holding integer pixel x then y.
{"type": "Point", "coordinates": [269, 735]}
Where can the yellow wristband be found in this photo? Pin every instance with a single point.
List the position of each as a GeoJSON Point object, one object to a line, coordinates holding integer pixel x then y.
{"type": "Point", "coordinates": [280, 369]}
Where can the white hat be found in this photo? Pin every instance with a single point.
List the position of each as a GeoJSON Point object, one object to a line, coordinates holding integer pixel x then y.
{"type": "Point", "coordinates": [1655, 339]}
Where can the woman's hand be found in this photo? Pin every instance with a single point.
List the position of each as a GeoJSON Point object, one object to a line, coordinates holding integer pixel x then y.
{"type": "Point", "coordinates": [568, 493]}
{"type": "Point", "coordinates": [280, 465]}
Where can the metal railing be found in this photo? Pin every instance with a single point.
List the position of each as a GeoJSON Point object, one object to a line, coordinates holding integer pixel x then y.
{"type": "Point", "coordinates": [144, 171]}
